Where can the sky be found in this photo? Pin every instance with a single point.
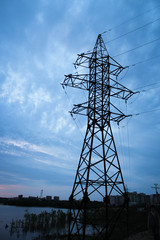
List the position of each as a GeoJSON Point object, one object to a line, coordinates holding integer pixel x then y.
{"type": "Point", "coordinates": [40, 143]}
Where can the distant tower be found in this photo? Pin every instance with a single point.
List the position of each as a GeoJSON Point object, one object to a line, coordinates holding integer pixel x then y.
{"type": "Point", "coordinates": [99, 172]}
{"type": "Point", "coordinates": [157, 195]}
{"type": "Point", "coordinates": [41, 194]}
{"type": "Point", "coordinates": [156, 188]}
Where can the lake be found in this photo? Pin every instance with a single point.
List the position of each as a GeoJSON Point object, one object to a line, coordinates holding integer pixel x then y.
{"type": "Point", "coordinates": [7, 213]}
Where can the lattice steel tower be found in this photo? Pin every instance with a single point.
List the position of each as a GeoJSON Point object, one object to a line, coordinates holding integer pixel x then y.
{"type": "Point", "coordinates": [99, 170]}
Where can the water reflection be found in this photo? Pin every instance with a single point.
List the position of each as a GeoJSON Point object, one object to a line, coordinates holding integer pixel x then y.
{"type": "Point", "coordinates": [12, 214]}
{"type": "Point", "coordinates": [47, 225]}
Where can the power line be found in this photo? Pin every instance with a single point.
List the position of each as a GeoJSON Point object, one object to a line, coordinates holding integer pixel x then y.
{"type": "Point", "coordinates": [126, 21]}
{"type": "Point", "coordinates": [140, 91]}
{"type": "Point", "coordinates": [74, 120]}
{"type": "Point", "coordinates": [149, 89]}
{"type": "Point", "coordinates": [133, 30]}
{"type": "Point", "coordinates": [143, 61]}
{"type": "Point", "coordinates": [142, 45]}
{"type": "Point", "coordinates": [146, 60]}
{"type": "Point", "coordinates": [147, 85]}
{"type": "Point", "coordinates": [137, 114]}
{"type": "Point", "coordinates": [140, 113]}
{"type": "Point", "coordinates": [146, 90]}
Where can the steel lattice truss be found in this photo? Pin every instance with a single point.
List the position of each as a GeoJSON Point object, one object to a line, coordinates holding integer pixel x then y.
{"type": "Point", "coordinates": [99, 170]}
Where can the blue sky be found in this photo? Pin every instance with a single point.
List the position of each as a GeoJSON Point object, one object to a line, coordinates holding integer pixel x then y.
{"type": "Point", "coordinates": [40, 143]}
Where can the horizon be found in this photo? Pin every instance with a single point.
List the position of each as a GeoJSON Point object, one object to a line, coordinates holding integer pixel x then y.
{"type": "Point", "coordinates": [44, 196]}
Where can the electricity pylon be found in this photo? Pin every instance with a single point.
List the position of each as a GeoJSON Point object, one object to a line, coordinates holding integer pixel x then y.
{"type": "Point", "coordinates": [156, 188]}
{"type": "Point", "coordinates": [99, 171]}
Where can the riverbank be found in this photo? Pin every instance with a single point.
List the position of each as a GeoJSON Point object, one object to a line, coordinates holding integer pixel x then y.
{"type": "Point", "coordinates": [34, 202]}
{"type": "Point", "coordinates": [42, 202]}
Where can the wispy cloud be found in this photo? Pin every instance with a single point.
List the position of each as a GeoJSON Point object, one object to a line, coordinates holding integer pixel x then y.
{"type": "Point", "coordinates": [57, 156]}
{"type": "Point", "coordinates": [13, 88]}
{"type": "Point", "coordinates": [16, 89]}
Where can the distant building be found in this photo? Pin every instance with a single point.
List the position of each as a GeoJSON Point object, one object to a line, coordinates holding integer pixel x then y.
{"type": "Point", "coordinates": [56, 198]}
{"type": "Point", "coordinates": [116, 200]}
{"type": "Point", "coordinates": [20, 196]}
{"type": "Point", "coordinates": [48, 197]}
{"type": "Point", "coordinates": [141, 198]}
{"type": "Point", "coordinates": [148, 201]}
{"type": "Point", "coordinates": [132, 198]}
{"type": "Point", "coordinates": [32, 197]}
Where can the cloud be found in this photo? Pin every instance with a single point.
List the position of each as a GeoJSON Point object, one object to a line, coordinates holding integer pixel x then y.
{"type": "Point", "coordinates": [77, 8]}
{"type": "Point", "coordinates": [54, 155]}
{"type": "Point", "coordinates": [11, 190]}
{"type": "Point", "coordinates": [40, 17]}
{"type": "Point", "coordinates": [37, 97]}
{"type": "Point", "coordinates": [13, 87]}
{"type": "Point", "coordinates": [18, 89]}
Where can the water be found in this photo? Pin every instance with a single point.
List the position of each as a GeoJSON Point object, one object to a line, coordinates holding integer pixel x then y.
{"type": "Point", "coordinates": [7, 213]}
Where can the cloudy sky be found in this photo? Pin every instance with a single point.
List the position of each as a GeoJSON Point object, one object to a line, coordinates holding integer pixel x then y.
{"type": "Point", "coordinates": [40, 143]}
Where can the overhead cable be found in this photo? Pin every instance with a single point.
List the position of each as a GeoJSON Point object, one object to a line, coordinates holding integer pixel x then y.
{"type": "Point", "coordinates": [136, 29]}
{"type": "Point", "coordinates": [74, 120]}
{"type": "Point", "coordinates": [140, 113]}
{"type": "Point", "coordinates": [142, 45]}
{"type": "Point", "coordinates": [148, 85]}
{"type": "Point", "coordinates": [146, 60]}
{"type": "Point", "coordinates": [153, 110]}
{"type": "Point", "coordinates": [128, 20]}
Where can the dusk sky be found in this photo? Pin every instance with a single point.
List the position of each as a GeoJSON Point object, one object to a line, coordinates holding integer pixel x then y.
{"type": "Point", "coordinates": [40, 143]}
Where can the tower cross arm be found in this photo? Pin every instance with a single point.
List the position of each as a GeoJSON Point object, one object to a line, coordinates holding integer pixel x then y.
{"type": "Point", "coordinates": [115, 67]}
{"type": "Point", "coordinates": [79, 108]}
{"type": "Point", "coordinates": [116, 115]}
{"type": "Point", "coordinates": [83, 59]}
{"type": "Point", "coordinates": [120, 91]}
{"type": "Point", "coordinates": [76, 81]}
